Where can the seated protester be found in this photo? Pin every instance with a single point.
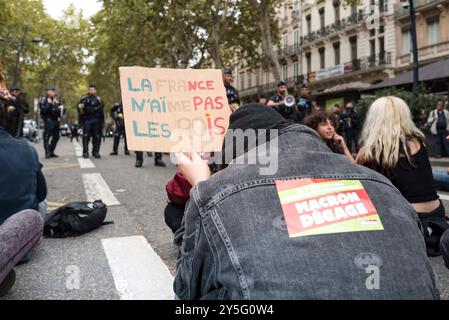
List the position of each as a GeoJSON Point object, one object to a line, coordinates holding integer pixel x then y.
{"type": "Point", "coordinates": [22, 184]}
{"type": "Point", "coordinates": [326, 124]}
{"type": "Point", "coordinates": [236, 243]}
{"type": "Point", "coordinates": [18, 235]}
{"type": "Point", "coordinates": [178, 194]}
{"type": "Point", "coordinates": [394, 146]}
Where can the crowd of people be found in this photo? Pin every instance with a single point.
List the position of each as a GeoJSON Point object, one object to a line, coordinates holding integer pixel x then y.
{"type": "Point", "coordinates": [234, 224]}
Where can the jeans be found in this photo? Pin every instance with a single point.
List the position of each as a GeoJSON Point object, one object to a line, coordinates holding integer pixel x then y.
{"type": "Point", "coordinates": [441, 177]}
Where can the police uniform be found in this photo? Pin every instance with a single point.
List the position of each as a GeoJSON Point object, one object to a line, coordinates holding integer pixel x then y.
{"type": "Point", "coordinates": [116, 113]}
{"type": "Point", "coordinates": [91, 118]}
{"type": "Point", "coordinates": [302, 109]}
{"type": "Point", "coordinates": [233, 96]}
{"type": "Point", "coordinates": [50, 112]}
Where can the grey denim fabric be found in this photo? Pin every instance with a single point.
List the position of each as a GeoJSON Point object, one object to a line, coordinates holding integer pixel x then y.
{"type": "Point", "coordinates": [236, 246]}
{"type": "Point", "coordinates": [18, 235]}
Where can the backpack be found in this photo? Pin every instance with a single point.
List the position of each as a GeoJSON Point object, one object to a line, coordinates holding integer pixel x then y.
{"type": "Point", "coordinates": [75, 219]}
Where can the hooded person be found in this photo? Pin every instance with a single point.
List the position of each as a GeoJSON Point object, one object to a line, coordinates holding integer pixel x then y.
{"type": "Point", "coordinates": [314, 228]}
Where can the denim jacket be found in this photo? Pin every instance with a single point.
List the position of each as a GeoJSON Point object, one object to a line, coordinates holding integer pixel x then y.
{"type": "Point", "coordinates": [236, 246]}
{"type": "Point", "coordinates": [22, 184]}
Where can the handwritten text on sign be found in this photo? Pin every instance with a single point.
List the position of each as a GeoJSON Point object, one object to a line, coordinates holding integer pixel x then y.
{"type": "Point", "coordinates": [167, 110]}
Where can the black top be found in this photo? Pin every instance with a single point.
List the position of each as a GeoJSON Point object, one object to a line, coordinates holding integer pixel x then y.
{"type": "Point", "coordinates": [441, 122]}
{"type": "Point", "coordinates": [415, 180]}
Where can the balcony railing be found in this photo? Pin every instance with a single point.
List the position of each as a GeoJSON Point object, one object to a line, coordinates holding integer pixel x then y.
{"type": "Point", "coordinates": [338, 25]}
{"type": "Point", "coordinates": [427, 52]}
{"type": "Point", "coordinates": [356, 65]}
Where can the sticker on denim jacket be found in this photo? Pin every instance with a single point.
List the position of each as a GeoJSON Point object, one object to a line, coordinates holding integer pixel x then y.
{"type": "Point", "coordinates": [322, 206]}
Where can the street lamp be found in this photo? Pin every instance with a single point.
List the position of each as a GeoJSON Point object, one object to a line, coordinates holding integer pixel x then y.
{"type": "Point", "coordinates": [411, 7]}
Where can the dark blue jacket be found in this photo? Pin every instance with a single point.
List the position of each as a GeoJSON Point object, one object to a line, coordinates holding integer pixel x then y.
{"type": "Point", "coordinates": [22, 184]}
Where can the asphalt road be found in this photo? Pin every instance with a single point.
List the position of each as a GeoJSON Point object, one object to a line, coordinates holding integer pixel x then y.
{"type": "Point", "coordinates": [92, 266]}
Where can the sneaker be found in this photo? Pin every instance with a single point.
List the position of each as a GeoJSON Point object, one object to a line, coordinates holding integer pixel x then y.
{"type": "Point", "coordinates": [113, 153]}
{"type": "Point", "coordinates": [127, 153]}
{"type": "Point", "coordinates": [97, 155]}
{"type": "Point", "coordinates": [139, 163]}
{"type": "Point", "coordinates": [52, 155]}
{"type": "Point", "coordinates": [7, 283]}
{"type": "Point", "coordinates": [86, 155]}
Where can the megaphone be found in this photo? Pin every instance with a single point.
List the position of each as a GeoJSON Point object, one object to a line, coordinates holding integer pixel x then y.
{"type": "Point", "coordinates": [289, 101]}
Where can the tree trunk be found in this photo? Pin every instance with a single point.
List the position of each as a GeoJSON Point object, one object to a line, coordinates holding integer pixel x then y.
{"type": "Point", "coordinates": [270, 55]}
{"type": "Point", "coordinates": [214, 46]}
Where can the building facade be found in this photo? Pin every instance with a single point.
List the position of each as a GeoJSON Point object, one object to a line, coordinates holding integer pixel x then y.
{"type": "Point", "coordinates": [340, 50]}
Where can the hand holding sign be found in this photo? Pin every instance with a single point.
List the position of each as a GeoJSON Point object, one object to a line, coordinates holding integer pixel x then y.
{"type": "Point", "coordinates": [193, 167]}
{"type": "Point", "coordinates": [168, 110]}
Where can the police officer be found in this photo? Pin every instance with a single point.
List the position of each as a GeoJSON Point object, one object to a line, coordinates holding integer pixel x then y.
{"type": "Point", "coordinates": [304, 105]}
{"type": "Point", "coordinates": [91, 118]}
{"type": "Point", "coordinates": [116, 114]}
{"type": "Point", "coordinates": [231, 92]}
{"type": "Point", "coordinates": [23, 105]}
{"type": "Point", "coordinates": [50, 111]}
{"type": "Point", "coordinates": [158, 162]}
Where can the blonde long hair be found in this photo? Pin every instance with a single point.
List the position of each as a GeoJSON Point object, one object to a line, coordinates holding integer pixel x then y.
{"type": "Point", "coordinates": [387, 128]}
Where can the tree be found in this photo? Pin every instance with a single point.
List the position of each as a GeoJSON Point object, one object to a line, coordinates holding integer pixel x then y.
{"type": "Point", "coordinates": [265, 12]}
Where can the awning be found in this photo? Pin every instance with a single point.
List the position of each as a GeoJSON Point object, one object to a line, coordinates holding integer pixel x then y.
{"type": "Point", "coordinates": [432, 71]}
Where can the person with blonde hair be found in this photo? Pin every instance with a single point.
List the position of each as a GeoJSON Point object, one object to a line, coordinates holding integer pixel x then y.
{"type": "Point", "coordinates": [394, 146]}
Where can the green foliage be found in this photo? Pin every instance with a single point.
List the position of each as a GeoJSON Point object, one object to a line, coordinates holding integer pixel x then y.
{"type": "Point", "coordinates": [58, 61]}
{"type": "Point", "coordinates": [420, 106]}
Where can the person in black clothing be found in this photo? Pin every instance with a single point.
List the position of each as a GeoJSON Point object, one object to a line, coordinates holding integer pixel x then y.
{"type": "Point", "coordinates": [231, 92]}
{"type": "Point", "coordinates": [23, 106]}
{"type": "Point", "coordinates": [158, 162]}
{"type": "Point", "coordinates": [91, 118]}
{"type": "Point", "coordinates": [116, 114]}
{"type": "Point", "coordinates": [74, 132]}
{"type": "Point", "coordinates": [304, 105]}
{"type": "Point", "coordinates": [277, 102]}
{"type": "Point", "coordinates": [350, 126]}
{"type": "Point", "coordinates": [438, 122]}
{"type": "Point", "coordinates": [336, 112]}
{"type": "Point", "coordinates": [50, 112]}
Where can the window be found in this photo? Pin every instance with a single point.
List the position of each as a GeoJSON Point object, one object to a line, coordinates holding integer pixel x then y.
{"type": "Point", "coordinates": [322, 52]}
{"type": "Point", "coordinates": [433, 30]}
{"type": "Point", "coordinates": [337, 11]}
{"type": "Point", "coordinates": [337, 53]}
{"type": "Point", "coordinates": [257, 77]}
{"type": "Point", "coordinates": [406, 41]}
{"type": "Point", "coordinates": [322, 18]}
{"type": "Point", "coordinates": [353, 42]}
{"type": "Point", "coordinates": [372, 48]}
{"type": "Point", "coordinates": [285, 72]}
{"type": "Point", "coordinates": [242, 81]}
{"type": "Point", "coordinates": [267, 77]}
{"type": "Point", "coordinates": [296, 70]}
{"type": "Point", "coordinates": [250, 79]}
{"type": "Point", "coordinates": [285, 41]}
{"type": "Point", "coordinates": [296, 37]}
{"type": "Point", "coordinates": [309, 23]}
{"type": "Point", "coordinates": [353, 10]}
{"type": "Point", "coordinates": [309, 62]}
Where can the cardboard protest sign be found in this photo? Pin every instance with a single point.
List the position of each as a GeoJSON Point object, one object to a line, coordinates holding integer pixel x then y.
{"type": "Point", "coordinates": [169, 110]}
{"type": "Point", "coordinates": [320, 206]}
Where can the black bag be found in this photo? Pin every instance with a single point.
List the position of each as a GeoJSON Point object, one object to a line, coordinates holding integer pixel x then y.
{"type": "Point", "coordinates": [75, 219]}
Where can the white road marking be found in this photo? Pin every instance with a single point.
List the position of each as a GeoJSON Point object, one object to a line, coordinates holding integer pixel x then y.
{"type": "Point", "coordinates": [96, 188]}
{"type": "Point", "coordinates": [444, 196]}
{"type": "Point", "coordinates": [138, 272]}
{"type": "Point", "coordinates": [85, 163]}
{"type": "Point", "coordinates": [78, 149]}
